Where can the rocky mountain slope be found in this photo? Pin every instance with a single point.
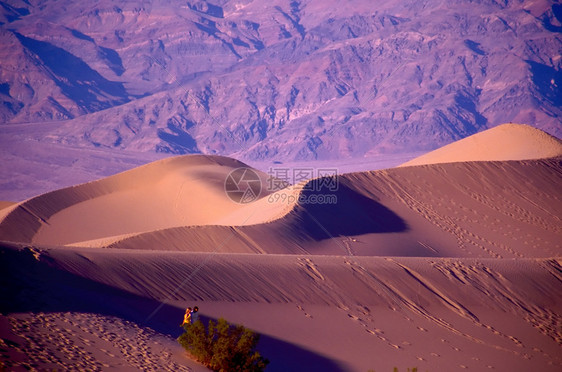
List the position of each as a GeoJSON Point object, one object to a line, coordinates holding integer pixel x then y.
{"type": "Point", "coordinates": [278, 80]}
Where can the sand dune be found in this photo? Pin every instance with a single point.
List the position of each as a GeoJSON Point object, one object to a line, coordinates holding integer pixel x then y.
{"type": "Point", "coordinates": [342, 313]}
{"type": "Point", "coordinates": [5, 204]}
{"type": "Point", "coordinates": [60, 340]}
{"type": "Point", "coordinates": [447, 210]}
{"type": "Point", "coordinates": [441, 266]}
{"type": "Point", "coordinates": [480, 209]}
{"type": "Point", "coordinates": [504, 142]}
{"type": "Point", "coordinates": [181, 204]}
{"type": "Point", "coordinates": [176, 191]}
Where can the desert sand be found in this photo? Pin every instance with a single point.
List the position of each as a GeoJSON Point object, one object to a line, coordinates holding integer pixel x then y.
{"type": "Point", "coordinates": [443, 265]}
{"type": "Point", "coordinates": [504, 142]}
{"type": "Point", "coordinates": [5, 204]}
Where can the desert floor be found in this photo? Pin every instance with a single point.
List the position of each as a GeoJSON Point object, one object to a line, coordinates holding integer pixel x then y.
{"type": "Point", "coordinates": [441, 265]}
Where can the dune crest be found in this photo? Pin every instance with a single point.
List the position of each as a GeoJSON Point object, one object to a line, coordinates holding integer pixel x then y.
{"type": "Point", "coordinates": [413, 211]}
{"type": "Point", "coordinates": [180, 204]}
{"type": "Point", "coordinates": [178, 191]}
{"type": "Point", "coordinates": [501, 143]}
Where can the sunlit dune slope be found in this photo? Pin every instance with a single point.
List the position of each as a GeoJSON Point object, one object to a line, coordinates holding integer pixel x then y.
{"type": "Point", "coordinates": [5, 204]}
{"type": "Point", "coordinates": [504, 142]}
{"type": "Point", "coordinates": [463, 209]}
{"type": "Point", "coordinates": [480, 209]}
{"type": "Point", "coordinates": [179, 191]}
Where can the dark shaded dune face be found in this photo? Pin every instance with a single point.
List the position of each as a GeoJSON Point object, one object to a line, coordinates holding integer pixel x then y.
{"type": "Point", "coordinates": [475, 209]}
{"type": "Point", "coordinates": [330, 208]}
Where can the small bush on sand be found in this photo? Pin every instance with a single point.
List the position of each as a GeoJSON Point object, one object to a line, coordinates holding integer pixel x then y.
{"type": "Point", "coordinates": [223, 347]}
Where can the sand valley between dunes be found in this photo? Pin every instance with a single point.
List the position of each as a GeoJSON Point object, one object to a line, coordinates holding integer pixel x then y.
{"type": "Point", "coordinates": [449, 262]}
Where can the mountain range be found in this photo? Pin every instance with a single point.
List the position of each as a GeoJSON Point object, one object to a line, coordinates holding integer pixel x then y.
{"type": "Point", "coordinates": [277, 80]}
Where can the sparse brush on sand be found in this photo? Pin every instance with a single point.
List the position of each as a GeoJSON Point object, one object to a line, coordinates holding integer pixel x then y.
{"type": "Point", "coordinates": [449, 266]}
{"type": "Point", "coordinates": [222, 346]}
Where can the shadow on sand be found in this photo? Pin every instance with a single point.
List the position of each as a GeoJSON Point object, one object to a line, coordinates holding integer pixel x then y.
{"type": "Point", "coordinates": [329, 209]}
{"type": "Point", "coordinates": [36, 285]}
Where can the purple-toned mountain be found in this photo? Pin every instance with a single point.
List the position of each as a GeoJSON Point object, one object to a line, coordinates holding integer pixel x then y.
{"type": "Point", "coordinates": [272, 79]}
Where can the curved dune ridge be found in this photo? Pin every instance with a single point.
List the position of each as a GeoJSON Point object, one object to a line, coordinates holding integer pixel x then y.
{"type": "Point", "coordinates": [478, 286]}
{"type": "Point", "coordinates": [180, 204]}
{"type": "Point", "coordinates": [479, 209]}
{"type": "Point", "coordinates": [504, 142]}
{"type": "Point", "coordinates": [179, 191]}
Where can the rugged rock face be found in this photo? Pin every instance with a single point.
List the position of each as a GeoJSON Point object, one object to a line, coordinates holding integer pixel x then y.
{"type": "Point", "coordinates": [272, 79]}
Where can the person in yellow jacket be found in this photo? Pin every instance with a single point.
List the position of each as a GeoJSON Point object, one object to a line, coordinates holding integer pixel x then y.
{"type": "Point", "coordinates": [187, 317]}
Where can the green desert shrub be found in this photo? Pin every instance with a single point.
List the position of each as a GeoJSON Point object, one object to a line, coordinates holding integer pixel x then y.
{"type": "Point", "coordinates": [223, 347]}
